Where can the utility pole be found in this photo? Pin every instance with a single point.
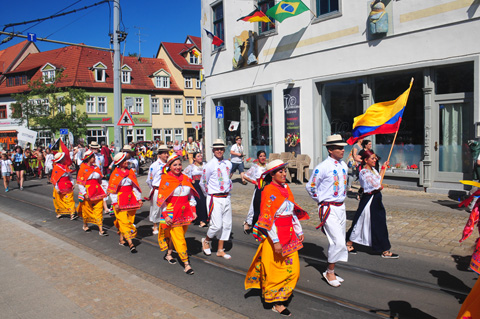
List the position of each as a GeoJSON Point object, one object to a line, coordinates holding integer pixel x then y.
{"type": "Point", "coordinates": [117, 84]}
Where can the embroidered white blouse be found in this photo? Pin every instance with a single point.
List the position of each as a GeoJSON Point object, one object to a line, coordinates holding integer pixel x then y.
{"type": "Point", "coordinates": [255, 172]}
{"type": "Point", "coordinates": [370, 180]}
{"type": "Point", "coordinates": [194, 170]}
{"type": "Point", "coordinates": [155, 174]}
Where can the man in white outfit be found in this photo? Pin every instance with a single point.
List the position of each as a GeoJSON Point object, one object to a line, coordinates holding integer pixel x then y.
{"type": "Point", "coordinates": [216, 185]}
{"type": "Point", "coordinates": [153, 181]}
{"type": "Point", "coordinates": [328, 187]}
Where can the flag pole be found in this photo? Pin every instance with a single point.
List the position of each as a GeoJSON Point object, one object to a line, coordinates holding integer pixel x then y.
{"type": "Point", "coordinates": [309, 9]}
{"type": "Point", "coordinates": [263, 13]}
{"type": "Point", "coordinates": [382, 174]}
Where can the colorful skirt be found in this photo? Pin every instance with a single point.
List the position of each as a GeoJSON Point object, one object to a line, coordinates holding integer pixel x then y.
{"type": "Point", "coordinates": [276, 275]}
{"type": "Point", "coordinates": [64, 203]}
{"type": "Point", "coordinates": [471, 306]}
{"type": "Point", "coordinates": [125, 223]}
{"type": "Point", "coordinates": [91, 211]}
{"type": "Point", "coordinates": [177, 236]}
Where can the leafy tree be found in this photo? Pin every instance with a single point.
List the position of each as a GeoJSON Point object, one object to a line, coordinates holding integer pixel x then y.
{"type": "Point", "coordinates": [45, 106]}
{"type": "Point", "coordinates": [135, 54]}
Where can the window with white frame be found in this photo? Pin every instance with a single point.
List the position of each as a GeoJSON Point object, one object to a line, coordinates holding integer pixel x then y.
{"type": "Point", "coordinates": [167, 133]}
{"type": "Point", "coordinates": [129, 136]}
{"type": "Point", "coordinates": [91, 104]}
{"type": "Point", "coordinates": [44, 138]}
{"type": "Point", "coordinates": [102, 104]}
{"type": "Point", "coordinates": [48, 73]}
{"type": "Point", "coordinates": [99, 71]}
{"type": "Point", "coordinates": [178, 134]}
{"type": "Point", "coordinates": [126, 74]}
{"type": "Point", "coordinates": [199, 107]}
{"type": "Point", "coordinates": [157, 134]}
{"type": "Point", "coordinates": [189, 106]}
{"type": "Point", "coordinates": [188, 82]}
{"type": "Point", "coordinates": [46, 105]}
{"type": "Point", "coordinates": [96, 136]}
{"type": "Point", "coordinates": [193, 58]}
{"type": "Point", "coordinates": [198, 84]}
{"type": "Point", "coordinates": [327, 7]}
{"type": "Point", "coordinates": [178, 106]}
{"type": "Point", "coordinates": [162, 82]}
{"type": "Point", "coordinates": [154, 105]}
{"type": "Point", "coordinates": [167, 108]}
{"type": "Point", "coordinates": [140, 134]}
{"type": "Point", "coordinates": [139, 105]}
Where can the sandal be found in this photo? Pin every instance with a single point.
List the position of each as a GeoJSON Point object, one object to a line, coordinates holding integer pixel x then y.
{"type": "Point", "coordinates": [86, 229]}
{"type": "Point", "coordinates": [170, 260]}
{"type": "Point", "coordinates": [285, 312]}
{"type": "Point", "coordinates": [122, 244]}
{"type": "Point", "coordinates": [224, 255]}
{"type": "Point", "coordinates": [103, 233]}
{"type": "Point", "coordinates": [73, 217]}
{"type": "Point", "coordinates": [133, 250]}
{"type": "Point", "coordinates": [389, 255]}
{"type": "Point", "coordinates": [188, 271]}
{"type": "Point", "coordinates": [351, 250]}
{"type": "Point", "coordinates": [59, 216]}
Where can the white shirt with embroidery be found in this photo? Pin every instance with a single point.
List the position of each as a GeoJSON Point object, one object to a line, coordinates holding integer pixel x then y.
{"type": "Point", "coordinates": [155, 173]}
{"type": "Point", "coordinates": [328, 182]}
{"type": "Point", "coordinates": [99, 160]}
{"type": "Point", "coordinates": [255, 171]}
{"type": "Point", "coordinates": [194, 170]}
{"type": "Point", "coordinates": [370, 180]}
{"type": "Point", "coordinates": [216, 177]}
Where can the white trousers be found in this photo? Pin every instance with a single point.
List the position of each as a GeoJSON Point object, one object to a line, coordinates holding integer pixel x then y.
{"type": "Point", "coordinates": [335, 230]}
{"type": "Point", "coordinates": [221, 218]}
{"type": "Point", "coordinates": [155, 213]}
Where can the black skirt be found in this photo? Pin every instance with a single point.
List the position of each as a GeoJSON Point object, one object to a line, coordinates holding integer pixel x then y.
{"type": "Point", "coordinates": [201, 204]}
{"type": "Point", "coordinates": [378, 220]}
{"type": "Point", "coordinates": [257, 199]}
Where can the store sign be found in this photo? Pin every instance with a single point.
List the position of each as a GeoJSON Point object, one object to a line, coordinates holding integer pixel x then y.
{"type": "Point", "coordinates": [140, 120]}
{"type": "Point", "coordinates": [101, 120]}
{"type": "Point", "coordinates": [291, 102]}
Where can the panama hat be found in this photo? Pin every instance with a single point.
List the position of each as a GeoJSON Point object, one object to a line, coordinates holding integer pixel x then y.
{"type": "Point", "coordinates": [94, 145]}
{"type": "Point", "coordinates": [87, 154]}
{"type": "Point", "coordinates": [273, 166]}
{"type": "Point", "coordinates": [163, 148]}
{"type": "Point", "coordinates": [58, 157]}
{"type": "Point", "coordinates": [218, 143]}
{"type": "Point", "coordinates": [127, 148]}
{"type": "Point", "coordinates": [120, 157]}
{"type": "Point", "coordinates": [335, 140]}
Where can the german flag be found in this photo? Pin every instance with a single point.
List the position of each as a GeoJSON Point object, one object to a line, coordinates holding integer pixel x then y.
{"type": "Point", "coordinates": [255, 16]}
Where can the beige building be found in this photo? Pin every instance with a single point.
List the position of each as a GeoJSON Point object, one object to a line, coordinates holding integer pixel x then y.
{"type": "Point", "coordinates": [176, 117]}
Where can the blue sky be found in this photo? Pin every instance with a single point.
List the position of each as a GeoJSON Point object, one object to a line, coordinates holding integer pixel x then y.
{"type": "Point", "coordinates": [158, 20]}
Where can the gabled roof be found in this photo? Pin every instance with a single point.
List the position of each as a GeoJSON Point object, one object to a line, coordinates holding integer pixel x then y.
{"type": "Point", "coordinates": [10, 55]}
{"type": "Point", "coordinates": [175, 51]}
{"type": "Point", "coordinates": [77, 63]}
{"type": "Point", "coordinates": [195, 40]}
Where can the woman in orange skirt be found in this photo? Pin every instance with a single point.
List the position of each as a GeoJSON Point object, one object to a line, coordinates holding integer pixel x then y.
{"type": "Point", "coordinates": [62, 181]}
{"type": "Point", "coordinates": [91, 194]}
{"type": "Point", "coordinates": [177, 204]}
{"type": "Point", "coordinates": [126, 197]}
{"type": "Point", "coordinates": [276, 267]}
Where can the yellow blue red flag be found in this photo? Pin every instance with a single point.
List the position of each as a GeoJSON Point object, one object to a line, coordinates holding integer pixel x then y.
{"type": "Point", "coordinates": [380, 118]}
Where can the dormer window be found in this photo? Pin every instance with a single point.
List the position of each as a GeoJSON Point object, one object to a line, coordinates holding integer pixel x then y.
{"type": "Point", "coordinates": [48, 73]}
{"type": "Point", "coordinates": [193, 58]}
{"type": "Point", "coordinates": [126, 74]}
{"type": "Point", "coordinates": [162, 79]}
{"type": "Point", "coordinates": [99, 70]}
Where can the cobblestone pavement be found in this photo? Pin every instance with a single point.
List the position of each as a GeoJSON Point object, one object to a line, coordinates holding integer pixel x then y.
{"type": "Point", "coordinates": [419, 222]}
{"type": "Point", "coordinates": [47, 277]}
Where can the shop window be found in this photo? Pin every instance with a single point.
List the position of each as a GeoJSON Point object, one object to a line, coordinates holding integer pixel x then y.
{"type": "Point", "coordinates": [218, 24]}
{"type": "Point", "coordinates": [96, 135]}
{"type": "Point", "coordinates": [3, 111]}
{"type": "Point", "coordinates": [454, 78]}
{"type": "Point", "coordinates": [266, 27]}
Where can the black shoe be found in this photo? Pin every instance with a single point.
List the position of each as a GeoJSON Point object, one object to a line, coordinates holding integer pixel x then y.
{"type": "Point", "coordinates": [133, 250]}
{"type": "Point", "coordinates": [171, 261]}
{"type": "Point", "coordinates": [285, 312]}
{"type": "Point", "coordinates": [391, 256]}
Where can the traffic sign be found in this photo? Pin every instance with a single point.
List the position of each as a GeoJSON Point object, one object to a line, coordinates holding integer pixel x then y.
{"type": "Point", "coordinates": [128, 103]}
{"type": "Point", "coordinates": [219, 112]}
{"type": "Point", "coordinates": [32, 37]}
{"type": "Point", "coordinates": [126, 119]}
{"type": "Point", "coordinates": [64, 131]}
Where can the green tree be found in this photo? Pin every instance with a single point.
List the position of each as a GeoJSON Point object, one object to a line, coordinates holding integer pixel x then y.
{"type": "Point", "coordinates": [46, 106]}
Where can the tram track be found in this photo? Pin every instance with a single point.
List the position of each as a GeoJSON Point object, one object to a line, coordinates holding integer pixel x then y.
{"type": "Point", "coordinates": [316, 294]}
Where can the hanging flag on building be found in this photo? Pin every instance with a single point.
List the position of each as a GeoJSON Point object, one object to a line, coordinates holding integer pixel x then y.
{"type": "Point", "coordinates": [195, 52]}
{"type": "Point", "coordinates": [233, 126]}
{"type": "Point", "coordinates": [286, 9]}
{"type": "Point", "coordinates": [256, 16]}
{"type": "Point", "coordinates": [215, 40]}
{"type": "Point", "coordinates": [59, 146]}
{"type": "Point", "coordinates": [380, 118]}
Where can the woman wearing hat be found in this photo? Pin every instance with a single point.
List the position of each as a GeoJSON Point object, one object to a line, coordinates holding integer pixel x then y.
{"type": "Point", "coordinates": [126, 196]}
{"type": "Point", "coordinates": [276, 267]}
{"type": "Point", "coordinates": [176, 199]}
{"type": "Point", "coordinates": [91, 194]}
{"type": "Point", "coordinates": [253, 175]}
{"type": "Point", "coordinates": [195, 171]}
{"type": "Point", "coordinates": [369, 225]}
{"type": "Point", "coordinates": [62, 181]}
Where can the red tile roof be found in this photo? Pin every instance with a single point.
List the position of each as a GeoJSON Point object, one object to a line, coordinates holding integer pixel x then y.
{"type": "Point", "coordinates": [175, 51]}
{"type": "Point", "coordinates": [9, 56]}
{"type": "Point", "coordinates": [195, 40]}
{"type": "Point", "coordinates": [77, 63]}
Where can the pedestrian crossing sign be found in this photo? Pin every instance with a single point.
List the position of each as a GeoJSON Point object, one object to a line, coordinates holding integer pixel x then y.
{"type": "Point", "coordinates": [125, 119]}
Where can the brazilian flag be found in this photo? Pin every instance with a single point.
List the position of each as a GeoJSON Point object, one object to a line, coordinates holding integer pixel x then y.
{"type": "Point", "coordinates": [286, 9]}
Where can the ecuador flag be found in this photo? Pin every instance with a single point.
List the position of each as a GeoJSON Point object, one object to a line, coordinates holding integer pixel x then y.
{"type": "Point", "coordinates": [380, 118]}
{"type": "Point", "coordinates": [255, 16]}
{"type": "Point", "coordinates": [286, 9]}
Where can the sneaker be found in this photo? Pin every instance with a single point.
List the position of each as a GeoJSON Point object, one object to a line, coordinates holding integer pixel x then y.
{"type": "Point", "coordinates": [391, 256]}
{"type": "Point", "coordinates": [21, 188]}
{"type": "Point", "coordinates": [6, 189]}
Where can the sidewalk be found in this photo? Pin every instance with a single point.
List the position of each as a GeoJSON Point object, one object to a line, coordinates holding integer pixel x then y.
{"type": "Point", "coordinates": [422, 223]}
{"type": "Point", "coordinates": [46, 277]}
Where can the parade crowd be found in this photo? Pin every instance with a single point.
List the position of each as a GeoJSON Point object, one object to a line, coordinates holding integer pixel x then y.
{"type": "Point", "coordinates": [201, 193]}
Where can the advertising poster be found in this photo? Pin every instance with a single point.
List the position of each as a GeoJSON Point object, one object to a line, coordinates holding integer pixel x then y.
{"type": "Point", "coordinates": [291, 101]}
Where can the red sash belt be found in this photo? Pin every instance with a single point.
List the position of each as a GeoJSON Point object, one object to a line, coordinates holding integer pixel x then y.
{"type": "Point", "coordinates": [286, 234]}
{"type": "Point", "coordinates": [126, 198]}
{"type": "Point", "coordinates": [210, 207]}
{"type": "Point", "coordinates": [65, 185]}
{"type": "Point", "coordinates": [324, 215]}
{"type": "Point", "coordinates": [94, 190]}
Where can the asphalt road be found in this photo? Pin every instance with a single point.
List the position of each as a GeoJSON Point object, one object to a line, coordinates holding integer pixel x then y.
{"type": "Point", "coordinates": [413, 286]}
